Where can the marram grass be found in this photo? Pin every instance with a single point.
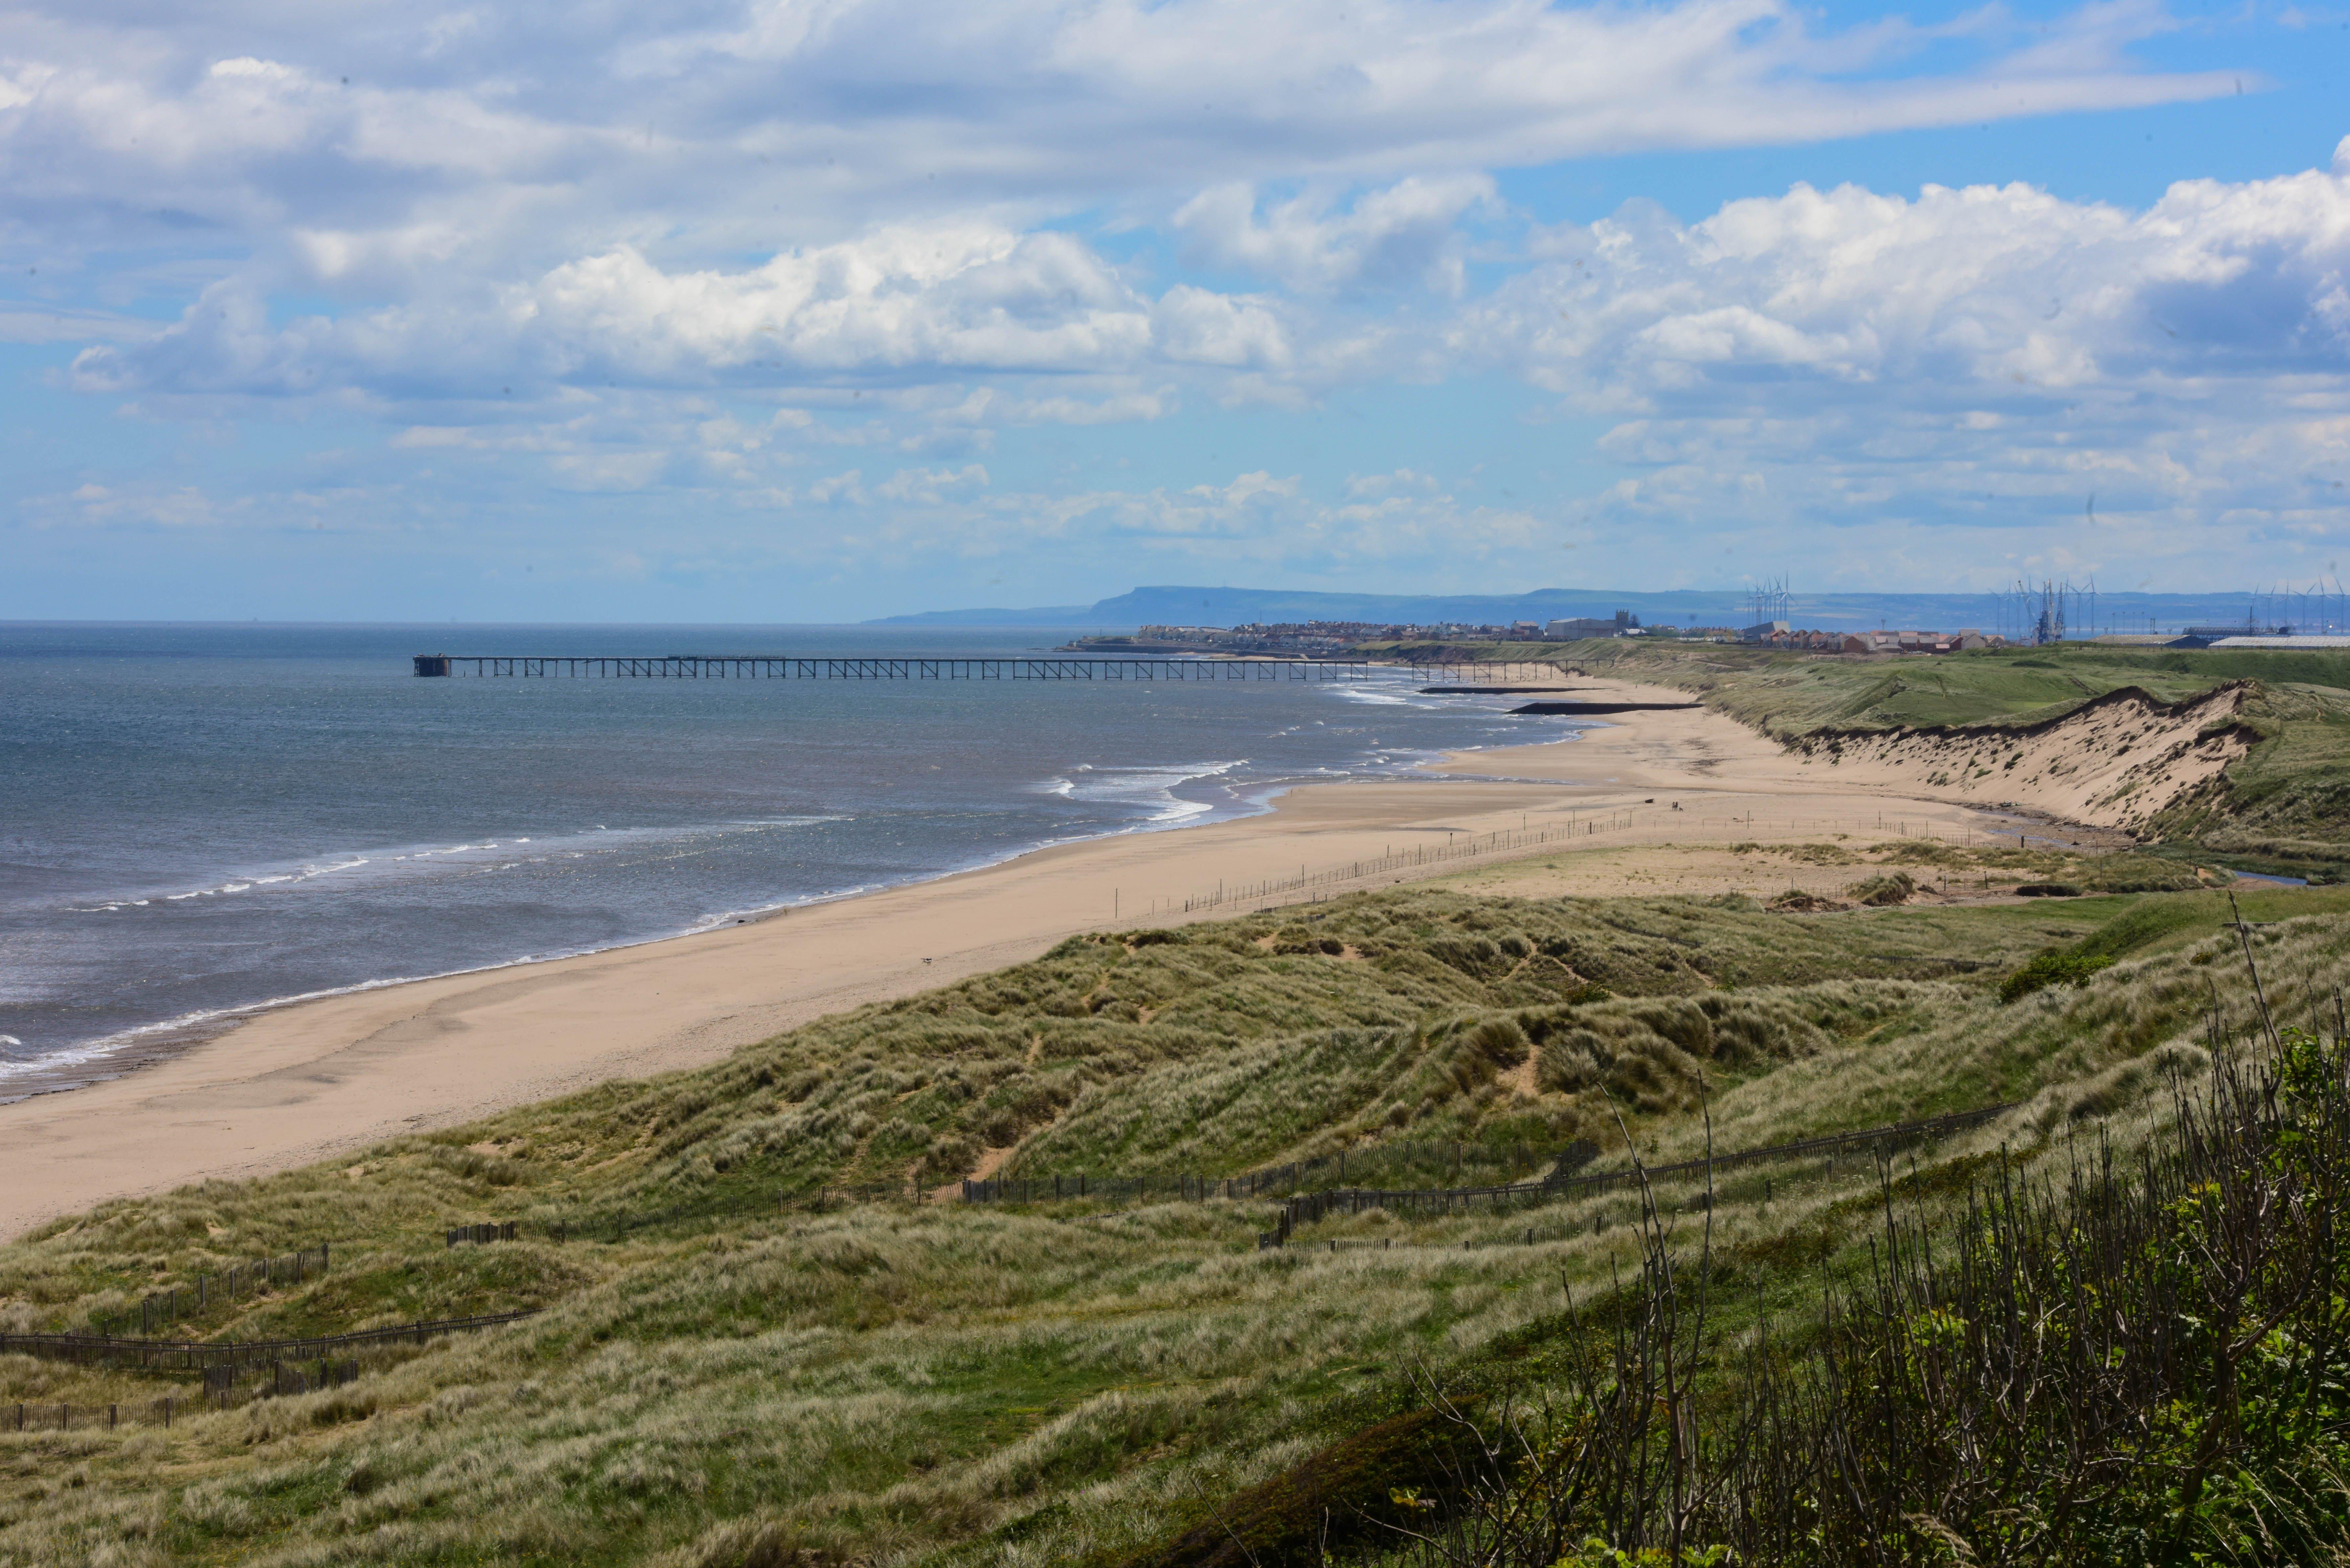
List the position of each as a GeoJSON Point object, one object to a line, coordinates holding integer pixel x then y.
{"type": "Point", "coordinates": [899, 1383]}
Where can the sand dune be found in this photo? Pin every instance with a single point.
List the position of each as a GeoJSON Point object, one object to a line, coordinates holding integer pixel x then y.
{"type": "Point", "coordinates": [326, 1076]}
{"type": "Point", "coordinates": [2116, 761]}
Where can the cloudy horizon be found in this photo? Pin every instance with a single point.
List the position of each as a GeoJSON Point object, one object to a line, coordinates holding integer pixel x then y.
{"type": "Point", "coordinates": [816, 311]}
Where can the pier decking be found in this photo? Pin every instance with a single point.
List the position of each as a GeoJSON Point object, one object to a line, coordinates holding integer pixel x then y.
{"type": "Point", "coordinates": [780, 667]}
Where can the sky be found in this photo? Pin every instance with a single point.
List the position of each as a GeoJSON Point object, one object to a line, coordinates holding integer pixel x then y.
{"type": "Point", "coordinates": [815, 310]}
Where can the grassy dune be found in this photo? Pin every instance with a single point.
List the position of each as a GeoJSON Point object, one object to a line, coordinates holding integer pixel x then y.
{"type": "Point", "coordinates": [2284, 807]}
{"type": "Point", "coordinates": [901, 1382]}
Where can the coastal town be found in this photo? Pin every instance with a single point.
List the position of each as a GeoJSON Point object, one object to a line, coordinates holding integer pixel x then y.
{"type": "Point", "coordinates": [1334, 639]}
{"type": "Point", "coordinates": [1325, 639]}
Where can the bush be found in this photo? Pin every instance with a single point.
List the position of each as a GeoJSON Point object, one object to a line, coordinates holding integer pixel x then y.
{"type": "Point", "coordinates": [2139, 873]}
{"type": "Point", "coordinates": [1877, 892]}
{"type": "Point", "coordinates": [2185, 1308]}
{"type": "Point", "coordinates": [2055, 967]}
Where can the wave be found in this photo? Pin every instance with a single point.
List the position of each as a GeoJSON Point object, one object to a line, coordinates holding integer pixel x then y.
{"type": "Point", "coordinates": [1125, 798]}
{"type": "Point", "coordinates": [413, 861]}
{"type": "Point", "coordinates": [1149, 787]}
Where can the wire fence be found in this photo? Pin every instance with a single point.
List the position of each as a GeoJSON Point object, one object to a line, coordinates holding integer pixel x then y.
{"type": "Point", "coordinates": [1463, 847]}
{"type": "Point", "coordinates": [167, 1307]}
{"type": "Point", "coordinates": [1589, 824]}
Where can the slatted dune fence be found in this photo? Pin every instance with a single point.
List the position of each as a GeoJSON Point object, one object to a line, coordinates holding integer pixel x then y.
{"type": "Point", "coordinates": [198, 1355]}
{"type": "Point", "coordinates": [1307, 1208]}
{"type": "Point", "coordinates": [1285, 1182]}
{"type": "Point", "coordinates": [1281, 1180]}
{"type": "Point", "coordinates": [235, 1283]}
{"type": "Point", "coordinates": [219, 1393]}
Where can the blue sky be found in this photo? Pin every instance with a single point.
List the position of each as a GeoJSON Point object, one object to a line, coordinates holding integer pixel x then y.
{"type": "Point", "coordinates": [821, 309]}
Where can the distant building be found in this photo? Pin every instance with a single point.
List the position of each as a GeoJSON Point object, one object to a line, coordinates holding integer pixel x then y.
{"type": "Point", "coordinates": [2295, 640]}
{"type": "Point", "coordinates": [2210, 634]}
{"type": "Point", "coordinates": [1912, 641]}
{"type": "Point", "coordinates": [1764, 632]}
{"type": "Point", "coordinates": [1626, 624]}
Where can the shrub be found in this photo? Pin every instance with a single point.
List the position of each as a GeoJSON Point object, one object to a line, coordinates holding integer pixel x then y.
{"type": "Point", "coordinates": [1886, 889]}
{"type": "Point", "coordinates": [2186, 1307]}
{"type": "Point", "coordinates": [2055, 967]}
{"type": "Point", "coordinates": [2139, 873]}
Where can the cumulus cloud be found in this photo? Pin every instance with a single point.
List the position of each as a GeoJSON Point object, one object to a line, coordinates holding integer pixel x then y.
{"type": "Point", "coordinates": [2006, 291]}
{"type": "Point", "coordinates": [495, 196]}
{"type": "Point", "coordinates": [710, 253]}
{"type": "Point", "coordinates": [522, 136]}
{"type": "Point", "coordinates": [1407, 235]}
{"type": "Point", "coordinates": [904, 304]}
{"type": "Point", "coordinates": [1987, 352]}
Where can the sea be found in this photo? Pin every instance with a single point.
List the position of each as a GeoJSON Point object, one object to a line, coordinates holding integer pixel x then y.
{"type": "Point", "coordinates": [201, 821]}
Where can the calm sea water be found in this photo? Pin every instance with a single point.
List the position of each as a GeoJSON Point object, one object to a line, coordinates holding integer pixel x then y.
{"type": "Point", "coordinates": [199, 820]}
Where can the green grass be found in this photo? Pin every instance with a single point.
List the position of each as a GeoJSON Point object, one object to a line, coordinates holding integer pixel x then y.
{"type": "Point", "coordinates": [1068, 1382]}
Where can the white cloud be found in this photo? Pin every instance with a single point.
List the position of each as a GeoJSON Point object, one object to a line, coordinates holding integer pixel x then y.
{"type": "Point", "coordinates": [932, 487]}
{"type": "Point", "coordinates": [1959, 295]}
{"type": "Point", "coordinates": [1990, 356]}
{"type": "Point", "coordinates": [1405, 234]}
{"type": "Point", "coordinates": [1198, 327]}
{"type": "Point", "coordinates": [31, 321]}
{"type": "Point", "coordinates": [528, 137]}
{"type": "Point", "coordinates": [906, 306]}
{"type": "Point", "coordinates": [624, 251]}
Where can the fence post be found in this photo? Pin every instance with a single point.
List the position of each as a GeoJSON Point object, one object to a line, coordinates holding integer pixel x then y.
{"type": "Point", "coordinates": [167, 1412]}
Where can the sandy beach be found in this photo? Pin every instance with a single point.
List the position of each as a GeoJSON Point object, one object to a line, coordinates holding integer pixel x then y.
{"type": "Point", "coordinates": [1597, 814]}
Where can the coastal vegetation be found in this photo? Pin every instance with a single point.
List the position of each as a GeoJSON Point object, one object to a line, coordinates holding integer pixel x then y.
{"type": "Point", "coordinates": [2282, 804]}
{"type": "Point", "coordinates": [738, 1358]}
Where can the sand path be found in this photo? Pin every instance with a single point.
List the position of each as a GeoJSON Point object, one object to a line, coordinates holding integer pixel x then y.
{"type": "Point", "coordinates": [324, 1078]}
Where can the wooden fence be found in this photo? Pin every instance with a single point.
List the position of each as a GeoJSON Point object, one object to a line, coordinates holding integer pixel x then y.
{"type": "Point", "coordinates": [1309, 1208]}
{"type": "Point", "coordinates": [219, 1394]}
{"type": "Point", "coordinates": [45, 1418]}
{"type": "Point", "coordinates": [482, 1235]}
{"type": "Point", "coordinates": [186, 1301]}
{"type": "Point", "coordinates": [194, 1355]}
{"type": "Point", "coordinates": [1281, 1180]}
{"type": "Point", "coordinates": [616, 1225]}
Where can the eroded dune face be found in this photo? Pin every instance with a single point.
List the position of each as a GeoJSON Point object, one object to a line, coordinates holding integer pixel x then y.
{"type": "Point", "coordinates": [2116, 761]}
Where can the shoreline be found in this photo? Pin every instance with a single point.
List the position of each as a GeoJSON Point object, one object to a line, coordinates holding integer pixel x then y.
{"type": "Point", "coordinates": [298, 1083]}
{"type": "Point", "coordinates": [144, 1046]}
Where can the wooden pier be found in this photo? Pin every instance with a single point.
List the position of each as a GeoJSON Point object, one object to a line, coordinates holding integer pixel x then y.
{"type": "Point", "coordinates": [781, 666]}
